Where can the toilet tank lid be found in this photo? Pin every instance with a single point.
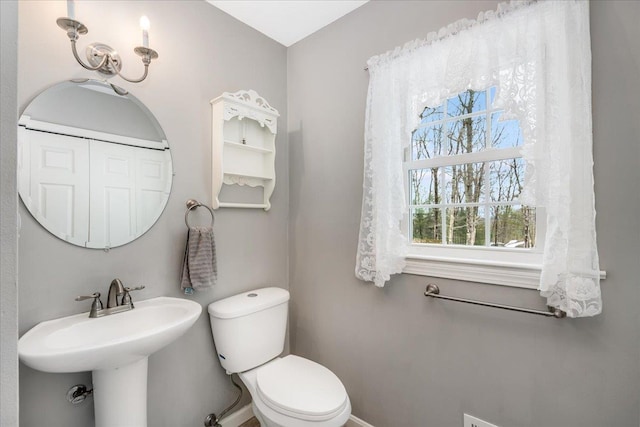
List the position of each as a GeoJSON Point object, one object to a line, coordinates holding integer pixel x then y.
{"type": "Point", "coordinates": [248, 302]}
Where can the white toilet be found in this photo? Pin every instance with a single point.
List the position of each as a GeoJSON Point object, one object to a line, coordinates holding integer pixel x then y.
{"type": "Point", "coordinates": [249, 332]}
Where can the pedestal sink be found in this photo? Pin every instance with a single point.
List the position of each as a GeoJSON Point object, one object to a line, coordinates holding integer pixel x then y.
{"type": "Point", "coordinates": [115, 348]}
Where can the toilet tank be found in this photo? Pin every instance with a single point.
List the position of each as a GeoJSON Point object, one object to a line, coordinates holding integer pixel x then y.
{"type": "Point", "coordinates": [249, 328]}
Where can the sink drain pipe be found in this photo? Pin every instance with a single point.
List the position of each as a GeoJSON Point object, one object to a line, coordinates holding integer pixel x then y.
{"type": "Point", "coordinates": [212, 420]}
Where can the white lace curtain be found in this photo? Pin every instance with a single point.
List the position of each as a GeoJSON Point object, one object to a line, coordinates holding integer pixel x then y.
{"type": "Point", "coordinates": [538, 56]}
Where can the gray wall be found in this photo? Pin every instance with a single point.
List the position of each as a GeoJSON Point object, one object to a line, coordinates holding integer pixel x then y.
{"type": "Point", "coordinates": [203, 52]}
{"type": "Point", "coordinates": [408, 361]}
{"type": "Point", "coordinates": [404, 360]}
{"type": "Point", "coordinates": [8, 215]}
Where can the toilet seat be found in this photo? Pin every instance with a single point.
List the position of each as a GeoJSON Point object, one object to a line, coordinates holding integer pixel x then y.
{"type": "Point", "coordinates": [301, 388]}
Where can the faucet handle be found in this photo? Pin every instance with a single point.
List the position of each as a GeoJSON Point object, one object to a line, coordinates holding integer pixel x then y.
{"type": "Point", "coordinates": [126, 298]}
{"type": "Point", "coordinates": [95, 306]}
{"type": "Point", "coordinates": [84, 297]}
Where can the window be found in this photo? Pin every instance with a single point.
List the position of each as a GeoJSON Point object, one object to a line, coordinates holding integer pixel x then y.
{"type": "Point", "coordinates": [464, 174]}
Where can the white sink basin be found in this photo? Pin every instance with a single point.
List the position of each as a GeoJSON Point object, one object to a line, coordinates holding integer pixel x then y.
{"type": "Point", "coordinates": [115, 347]}
{"type": "Point", "coordinates": [78, 343]}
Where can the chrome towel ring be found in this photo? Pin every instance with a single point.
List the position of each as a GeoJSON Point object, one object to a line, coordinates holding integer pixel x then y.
{"type": "Point", "coordinates": [193, 204]}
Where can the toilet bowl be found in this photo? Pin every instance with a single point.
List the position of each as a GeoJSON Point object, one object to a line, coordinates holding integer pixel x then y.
{"type": "Point", "coordinates": [248, 331]}
{"type": "Point", "coordinates": [296, 392]}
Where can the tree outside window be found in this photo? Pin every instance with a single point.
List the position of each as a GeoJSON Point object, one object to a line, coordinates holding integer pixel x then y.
{"type": "Point", "coordinates": [465, 176]}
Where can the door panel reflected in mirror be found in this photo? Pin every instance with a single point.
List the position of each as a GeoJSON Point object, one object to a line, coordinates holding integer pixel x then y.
{"type": "Point", "coordinates": [94, 166]}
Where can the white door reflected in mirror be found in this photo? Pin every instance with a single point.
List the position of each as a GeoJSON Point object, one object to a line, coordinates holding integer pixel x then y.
{"type": "Point", "coordinates": [94, 166]}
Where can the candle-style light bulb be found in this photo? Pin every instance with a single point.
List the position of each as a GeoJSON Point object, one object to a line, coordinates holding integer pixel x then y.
{"type": "Point", "coordinates": [71, 9]}
{"type": "Point", "coordinates": [145, 25]}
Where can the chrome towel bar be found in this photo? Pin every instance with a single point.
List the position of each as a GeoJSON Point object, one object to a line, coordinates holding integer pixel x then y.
{"type": "Point", "coordinates": [433, 291]}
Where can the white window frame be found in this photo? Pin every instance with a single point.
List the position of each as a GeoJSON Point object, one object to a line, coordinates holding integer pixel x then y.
{"type": "Point", "coordinates": [493, 265]}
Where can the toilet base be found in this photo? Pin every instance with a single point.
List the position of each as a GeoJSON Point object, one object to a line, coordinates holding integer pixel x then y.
{"type": "Point", "coordinates": [260, 418]}
{"type": "Point", "coordinates": [293, 422]}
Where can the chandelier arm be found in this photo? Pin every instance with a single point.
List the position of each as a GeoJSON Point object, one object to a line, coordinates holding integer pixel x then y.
{"type": "Point", "coordinates": [144, 76]}
{"type": "Point", "coordinates": [88, 67]}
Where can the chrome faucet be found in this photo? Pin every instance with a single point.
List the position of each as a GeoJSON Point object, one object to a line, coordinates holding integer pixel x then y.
{"type": "Point", "coordinates": [116, 289]}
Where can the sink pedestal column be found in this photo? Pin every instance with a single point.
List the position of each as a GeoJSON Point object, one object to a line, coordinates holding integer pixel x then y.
{"type": "Point", "coordinates": [120, 395]}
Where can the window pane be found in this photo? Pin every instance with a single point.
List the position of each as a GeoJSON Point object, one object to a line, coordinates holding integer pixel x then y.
{"type": "Point", "coordinates": [464, 124]}
{"type": "Point", "coordinates": [506, 178]}
{"type": "Point", "coordinates": [513, 226]}
{"type": "Point", "coordinates": [506, 133]}
{"type": "Point", "coordinates": [426, 142]}
{"type": "Point", "coordinates": [492, 95]}
{"type": "Point", "coordinates": [424, 186]}
{"type": "Point", "coordinates": [464, 183]}
{"type": "Point", "coordinates": [466, 135]}
{"type": "Point", "coordinates": [432, 114]}
{"type": "Point", "coordinates": [427, 225]}
{"type": "Point", "coordinates": [466, 103]}
{"type": "Point", "coordinates": [465, 226]}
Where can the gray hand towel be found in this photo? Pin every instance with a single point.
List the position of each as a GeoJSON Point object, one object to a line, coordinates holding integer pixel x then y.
{"type": "Point", "coordinates": [199, 268]}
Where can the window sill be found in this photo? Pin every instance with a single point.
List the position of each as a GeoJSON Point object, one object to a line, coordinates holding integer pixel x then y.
{"type": "Point", "coordinates": [519, 275]}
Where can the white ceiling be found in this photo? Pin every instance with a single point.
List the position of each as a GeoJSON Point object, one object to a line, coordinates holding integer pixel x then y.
{"type": "Point", "coordinates": [287, 21]}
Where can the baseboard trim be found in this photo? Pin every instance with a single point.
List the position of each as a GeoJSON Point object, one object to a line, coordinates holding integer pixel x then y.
{"type": "Point", "coordinates": [245, 413]}
{"type": "Point", "coordinates": [356, 422]}
{"type": "Point", "coordinates": [235, 419]}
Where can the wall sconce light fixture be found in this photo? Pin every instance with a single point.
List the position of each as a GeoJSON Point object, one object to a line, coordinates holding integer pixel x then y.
{"type": "Point", "coordinates": [103, 58]}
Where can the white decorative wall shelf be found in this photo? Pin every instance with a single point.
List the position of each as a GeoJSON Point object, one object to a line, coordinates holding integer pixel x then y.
{"type": "Point", "coordinates": [244, 150]}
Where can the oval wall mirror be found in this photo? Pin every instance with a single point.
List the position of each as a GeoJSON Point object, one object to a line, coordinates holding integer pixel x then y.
{"type": "Point", "coordinates": [94, 166]}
